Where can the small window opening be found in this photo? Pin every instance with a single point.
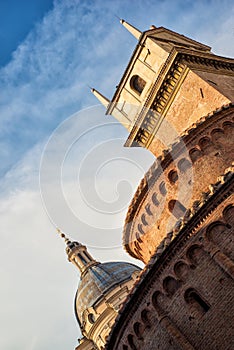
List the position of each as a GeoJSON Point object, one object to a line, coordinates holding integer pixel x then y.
{"type": "Point", "coordinates": [194, 300]}
{"type": "Point", "coordinates": [162, 188]}
{"type": "Point", "coordinates": [131, 342]}
{"type": "Point", "coordinates": [91, 318]}
{"type": "Point", "coordinates": [87, 256]}
{"type": "Point", "coordinates": [140, 229]}
{"type": "Point", "coordinates": [173, 176]}
{"type": "Point", "coordinates": [137, 84]}
{"type": "Point", "coordinates": [155, 199]}
{"type": "Point", "coordinates": [138, 329]}
{"type": "Point", "coordinates": [184, 164]}
{"type": "Point", "coordinates": [80, 256]}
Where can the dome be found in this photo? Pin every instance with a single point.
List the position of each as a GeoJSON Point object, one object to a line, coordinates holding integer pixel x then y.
{"type": "Point", "coordinates": [99, 280]}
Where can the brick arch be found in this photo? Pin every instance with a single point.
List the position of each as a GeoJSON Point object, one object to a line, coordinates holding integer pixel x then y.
{"type": "Point", "coordinates": [155, 199]}
{"type": "Point", "coordinates": [171, 285]}
{"type": "Point", "coordinates": [138, 253]}
{"type": "Point", "coordinates": [228, 214]}
{"type": "Point", "coordinates": [196, 302]}
{"type": "Point", "coordinates": [217, 134]}
{"type": "Point", "coordinates": [140, 229]}
{"type": "Point", "coordinates": [228, 126]}
{"type": "Point", "coordinates": [205, 144]}
{"type": "Point", "coordinates": [138, 328]}
{"type": "Point", "coordinates": [131, 342]}
{"type": "Point", "coordinates": [173, 176]}
{"type": "Point", "coordinates": [145, 317]}
{"type": "Point", "coordinates": [138, 237]}
{"type": "Point", "coordinates": [148, 209]}
{"type": "Point", "coordinates": [181, 270]}
{"type": "Point", "coordinates": [162, 188]}
{"type": "Point", "coordinates": [221, 235]}
{"type": "Point", "coordinates": [137, 245]}
{"type": "Point", "coordinates": [156, 302]}
{"type": "Point", "coordinates": [143, 220]}
{"type": "Point", "coordinates": [184, 164]}
{"type": "Point", "coordinates": [194, 254]}
{"type": "Point", "coordinates": [195, 153]}
{"type": "Point", "coordinates": [214, 229]}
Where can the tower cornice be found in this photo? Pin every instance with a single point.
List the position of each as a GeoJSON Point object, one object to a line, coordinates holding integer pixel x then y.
{"type": "Point", "coordinates": [151, 33]}
{"type": "Point", "coordinates": [165, 88]}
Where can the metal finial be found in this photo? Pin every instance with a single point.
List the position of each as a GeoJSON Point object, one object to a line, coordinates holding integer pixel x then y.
{"type": "Point", "coordinates": [90, 87]}
{"type": "Point", "coordinates": [117, 17]}
{"type": "Point", "coordinates": [62, 235]}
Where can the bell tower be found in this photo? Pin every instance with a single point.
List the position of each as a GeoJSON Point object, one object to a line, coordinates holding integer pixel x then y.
{"type": "Point", "coordinates": [171, 81]}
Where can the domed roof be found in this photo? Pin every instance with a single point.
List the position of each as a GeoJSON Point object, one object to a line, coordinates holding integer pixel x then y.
{"type": "Point", "coordinates": [99, 280]}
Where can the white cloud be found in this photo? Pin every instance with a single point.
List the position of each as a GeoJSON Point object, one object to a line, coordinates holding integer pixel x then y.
{"type": "Point", "coordinates": [77, 43]}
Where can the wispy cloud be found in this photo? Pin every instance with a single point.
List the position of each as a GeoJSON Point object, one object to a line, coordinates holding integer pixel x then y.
{"type": "Point", "coordinates": [78, 43]}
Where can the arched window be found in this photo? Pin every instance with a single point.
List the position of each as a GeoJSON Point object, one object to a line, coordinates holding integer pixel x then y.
{"type": "Point", "coordinates": [138, 237]}
{"type": "Point", "coordinates": [137, 83]}
{"type": "Point", "coordinates": [195, 153]}
{"type": "Point", "coordinates": [145, 316]}
{"type": "Point", "coordinates": [162, 188]}
{"type": "Point", "coordinates": [137, 245]}
{"type": "Point", "coordinates": [148, 210]}
{"type": "Point", "coordinates": [80, 256]}
{"type": "Point", "coordinates": [205, 143]}
{"type": "Point", "coordinates": [91, 318]}
{"type": "Point", "coordinates": [170, 284]}
{"type": "Point", "coordinates": [155, 199]}
{"type": "Point", "coordinates": [184, 164]}
{"type": "Point", "coordinates": [228, 214]}
{"type": "Point", "coordinates": [173, 176]}
{"type": "Point", "coordinates": [143, 220]}
{"type": "Point", "coordinates": [138, 329]}
{"type": "Point", "coordinates": [87, 256]}
{"type": "Point", "coordinates": [140, 229]}
{"type": "Point", "coordinates": [156, 301]}
{"type": "Point", "coordinates": [131, 342]}
{"type": "Point", "coordinates": [195, 301]}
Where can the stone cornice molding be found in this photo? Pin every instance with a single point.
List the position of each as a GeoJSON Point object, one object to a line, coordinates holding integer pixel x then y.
{"type": "Point", "coordinates": [193, 43]}
{"type": "Point", "coordinates": [152, 33]}
{"type": "Point", "coordinates": [168, 82]}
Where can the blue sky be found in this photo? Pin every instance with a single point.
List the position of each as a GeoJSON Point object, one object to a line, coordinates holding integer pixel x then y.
{"type": "Point", "coordinates": [16, 20]}
{"type": "Point", "coordinates": [51, 53]}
